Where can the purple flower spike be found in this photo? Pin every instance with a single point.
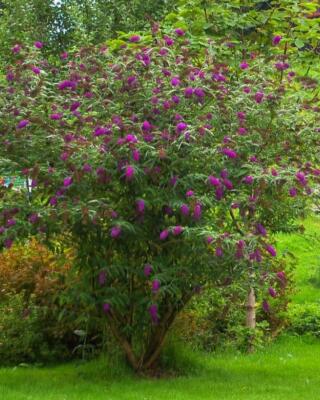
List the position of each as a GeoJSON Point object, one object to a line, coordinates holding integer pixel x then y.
{"type": "Point", "coordinates": [155, 286]}
{"type": "Point", "coordinates": [276, 40]}
{"type": "Point", "coordinates": [179, 32]}
{"type": "Point", "coordinates": [102, 278]}
{"type": "Point", "coordinates": [271, 250]}
{"type": "Point", "coordinates": [265, 306]}
{"type": "Point", "coordinates": [129, 173]}
{"type": "Point", "coordinates": [197, 211]}
{"type": "Point", "coordinates": [229, 153]}
{"type": "Point", "coordinates": [272, 292]}
{"type": "Point", "coordinates": [242, 131]}
{"type": "Point", "coordinates": [219, 252]}
{"type": "Point", "coordinates": [190, 193]}
{"type": "Point", "coordinates": [281, 275]}
{"type": "Point", "coordinates": [199, 92]}
{"type": "Point", "coordinates": [181, 126]}
{"type": "Point", "coordinates": [135, 39]}
{"type": "Point", "coordinates": [99, 131]}
{"type": "Point", "coordinates": [67, 85]}
{"type": "Point", "coordinates": [209, 239]}
{"type": "Point", "coordinates": [281, 66]}
{"type": "Point", "coordinates": [140, 206]}
{"type": "Point", "coordinates": [67, 181]}
{"type": "Point", "coordinates": [10, 76]}
{"type": "Point", "coordinates": [147, 270]}
{"type": "Point", "coordinates": [244, 65]}
{"type": "Point", "coordinates": [136, 155]}
{"type": "Point", "coordinates": [224, 173]}
{"type": "Point", "coordinates": [293, 192]}
{"type": "Point", "coordinates": [188, 92]}
{"type": "Point", "coordinates": [56, 116]}
{"type": "Point", "coordinates": [219, 193]}
{"type": "Point", "coordinates": [248, 179]}
{"type": "Point", "coordinates": [22, 124]}
{"type": "Point", "coordinates": [53, 201]}
{"type": "Point", "coordinates": [259, 97]}
{"type": "Point", "coordinates": [169, 41]}
{"type": "Point", "coordinates": [74, 106]}
{"type": "Point", "coordinates": [153, 311]}
{"type": "Point", "coordinates": [213, 181]}
{"type": "Point", "coordinates": [261, 230]}
{"type": "Point", "coordinates": [228, 184]}
{"type": "Point", "coordinates": [274, 172]}
{"type": "Point", "coordinates": [115, 232]}
{"type": "Point", "coordinates": [177, 230]}
{"type": "Point", "coordinates": [11, 222]}
{"type": "Point", "coordinates": [106, 308]}
{"type": "Point", "coordinates": [241, 115]}
{"type": "Point", "coordinates": [164, 234]}
{"type": "Point", "coordinates": [301, 178]}
{"type": "Point", "coordinates": [175, 99]}
{"type": "Point", "coordinates": [146, 126]}
{"type": "Point", "coordinates": [131, 80]}
{"type": "Point", "coordinates": [38, 45]}
{"type": "Point", "coordinates": [36, 70]}
{"type": "Point", "coordinates": [175, 81]}
{"type": "Point", "coordinates": [16, 49]}
{"type": "Point", "coordinates": [87, 168]}
{"type": "Point", "coordinates": [184, 209]}
{"type": "Point", "coordinates": [33, 218]}
{"type": "Point", "coordinates": [8, 243]}
{"type": "Point", "coordinates": [168, 211]}
{"type": "Point", "coordinates": [173, 181]}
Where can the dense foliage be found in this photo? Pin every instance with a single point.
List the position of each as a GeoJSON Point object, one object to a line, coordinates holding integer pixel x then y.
{"type": "Point", "coordinates": [215, 319]}
{"type": "Point", "coordinates": [34, 326]}
{"type": "Point", "coordinates": [251, 22]}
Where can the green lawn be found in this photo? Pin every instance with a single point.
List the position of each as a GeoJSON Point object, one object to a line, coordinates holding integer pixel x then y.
{"type": "Point", "coordinates": [306, 248]}
{"type": "Point", "coordinates": [286, 370]}
{"type": "Point", "coordinates": [289, 369]}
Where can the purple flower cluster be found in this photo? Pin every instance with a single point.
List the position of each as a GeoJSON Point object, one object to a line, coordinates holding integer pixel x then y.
{"type": "Point", "coordinates": [153, 311]}
{"type": "Point", "coordinates": [147, 270]}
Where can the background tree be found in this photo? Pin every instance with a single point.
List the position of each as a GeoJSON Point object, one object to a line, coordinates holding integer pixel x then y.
{"type": "Point", "coordinates": [252, 22]}
{"type": "Point", "coordinates": [66, 23]}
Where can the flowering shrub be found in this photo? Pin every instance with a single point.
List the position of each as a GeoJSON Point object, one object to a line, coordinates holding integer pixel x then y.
{"type": "Point", "coordinates": [165, 171]}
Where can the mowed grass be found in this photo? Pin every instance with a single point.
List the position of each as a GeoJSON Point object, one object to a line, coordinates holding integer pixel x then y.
{"type": "Point", "coordinates": [306, 248]}
{"type": "Point", "coordinates": [288, 369]}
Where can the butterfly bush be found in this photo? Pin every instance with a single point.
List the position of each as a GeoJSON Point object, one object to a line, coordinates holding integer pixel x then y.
{"type": "Point", "coordinates": [167, 170]}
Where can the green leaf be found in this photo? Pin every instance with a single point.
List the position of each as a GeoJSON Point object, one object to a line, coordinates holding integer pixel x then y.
{"type": "Point", "coordinates": [299, 43]}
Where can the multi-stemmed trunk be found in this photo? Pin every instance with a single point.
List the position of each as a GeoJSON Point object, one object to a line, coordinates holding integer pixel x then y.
{"type": "Point", "coordinates": [148, 359]}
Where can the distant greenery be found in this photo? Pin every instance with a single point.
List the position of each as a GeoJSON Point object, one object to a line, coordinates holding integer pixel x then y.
{"type": "Point", "coordinates": [249, 24]}
{"type": "Point", "coordinates": [65, 23]}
